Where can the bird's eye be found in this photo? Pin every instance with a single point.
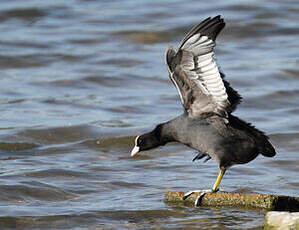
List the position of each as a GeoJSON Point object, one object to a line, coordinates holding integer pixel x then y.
{"type": "Point", "coordinates": [139, 141]}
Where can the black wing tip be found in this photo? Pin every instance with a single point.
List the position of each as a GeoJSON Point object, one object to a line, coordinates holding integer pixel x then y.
{"type": "Point", "coordinates": [212, 27]}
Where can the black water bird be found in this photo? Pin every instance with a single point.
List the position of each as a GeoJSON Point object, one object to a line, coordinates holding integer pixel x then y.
{"type": "Point", "coordinates": [207, 123]}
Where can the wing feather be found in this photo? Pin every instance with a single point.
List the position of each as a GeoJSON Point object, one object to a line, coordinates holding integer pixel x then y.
{"type": "Point", "coordinates": [194, 72]}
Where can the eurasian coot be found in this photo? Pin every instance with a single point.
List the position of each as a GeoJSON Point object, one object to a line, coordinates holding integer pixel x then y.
{"type": "Point", "coordinates": [207, 124]}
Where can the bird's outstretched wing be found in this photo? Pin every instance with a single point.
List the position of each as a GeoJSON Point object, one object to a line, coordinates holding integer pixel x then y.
{"type": "Point", "coordinates": [194, 72]}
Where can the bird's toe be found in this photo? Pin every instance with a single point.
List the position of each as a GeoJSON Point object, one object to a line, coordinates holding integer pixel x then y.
{"type": "Point", "coordinates": [187, 194]}
{"type": "Point", "coordinates": [200, 195]}
{"type": "Point", "coordinates": [199, 198]}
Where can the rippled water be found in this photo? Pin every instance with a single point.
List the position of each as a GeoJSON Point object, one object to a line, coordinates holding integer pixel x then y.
{"type": "Point", "coordinates": [79, 79]}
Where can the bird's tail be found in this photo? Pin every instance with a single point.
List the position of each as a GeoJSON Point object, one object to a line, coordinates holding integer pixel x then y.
{"type": "Point", "coordinates": [264, 145]}
{"type": "Point", "coordinates": [268, 149]}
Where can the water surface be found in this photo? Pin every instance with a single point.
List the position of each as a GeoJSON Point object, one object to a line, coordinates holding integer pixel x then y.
{"type": "Point", "coordinates": [80, 79]}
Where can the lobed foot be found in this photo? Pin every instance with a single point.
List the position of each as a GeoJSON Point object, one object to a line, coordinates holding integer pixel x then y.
{"type": "Point", "coordinates": [200, 196]}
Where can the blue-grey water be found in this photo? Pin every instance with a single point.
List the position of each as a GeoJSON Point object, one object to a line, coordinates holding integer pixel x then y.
{"type": "Point", "coordinates": [79, 79]}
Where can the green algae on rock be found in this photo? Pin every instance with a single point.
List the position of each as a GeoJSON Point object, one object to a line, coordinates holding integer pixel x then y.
{"type": "Point", "coordinates": [242, 200]}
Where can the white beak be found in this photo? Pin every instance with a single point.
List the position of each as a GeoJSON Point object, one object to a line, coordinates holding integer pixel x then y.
{"type": "Point", "coordinates": [134, 151]}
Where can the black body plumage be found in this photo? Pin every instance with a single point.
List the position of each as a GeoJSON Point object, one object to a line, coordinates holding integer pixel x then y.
{"type": "Point", "coordinates": [207, 124]}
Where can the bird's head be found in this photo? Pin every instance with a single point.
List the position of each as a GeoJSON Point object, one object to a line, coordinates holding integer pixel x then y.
{"type": "Point", "coordinates": [147, 141]}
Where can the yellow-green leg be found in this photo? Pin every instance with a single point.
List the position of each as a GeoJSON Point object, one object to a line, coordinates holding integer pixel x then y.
{"type": "Point", "coordinates": [203, 192]}
{"type": "Point", "coordinates": [219, 178]}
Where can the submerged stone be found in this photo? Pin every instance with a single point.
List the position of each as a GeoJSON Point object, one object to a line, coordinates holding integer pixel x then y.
{"type": "Point", "coordinates": [281, 220]}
